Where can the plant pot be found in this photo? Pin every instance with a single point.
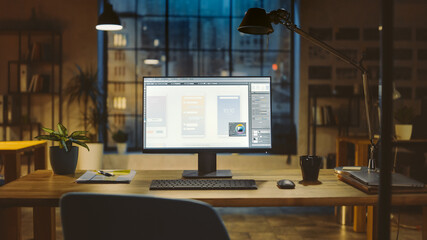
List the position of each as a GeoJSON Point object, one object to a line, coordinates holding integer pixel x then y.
{"type": "Point", "coordinates": [91, 160]}
{"type": "Point", "coordinates": [403, 131]}
{"type": "Point", "coordinates": [122, 148]}
{"type": "Point", "coordinates": [63, 162]}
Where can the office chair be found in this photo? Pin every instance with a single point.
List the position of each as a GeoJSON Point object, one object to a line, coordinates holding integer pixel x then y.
{"type": "Point", "coordinates": [114, 216]}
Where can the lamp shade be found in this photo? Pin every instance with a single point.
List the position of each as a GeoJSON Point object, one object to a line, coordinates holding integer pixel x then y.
{"type": "Point", "coordinates": [256, 21]}
{"type": "Point", "coordinates": [108, 20]}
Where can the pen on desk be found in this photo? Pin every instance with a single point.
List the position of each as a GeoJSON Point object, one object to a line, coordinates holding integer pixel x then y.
{"type": "Point", "coordinates": [105, 173]}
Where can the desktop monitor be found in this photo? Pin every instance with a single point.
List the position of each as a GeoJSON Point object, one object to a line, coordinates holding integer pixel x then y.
{"type": "Point", "coordinates": [206, 115]}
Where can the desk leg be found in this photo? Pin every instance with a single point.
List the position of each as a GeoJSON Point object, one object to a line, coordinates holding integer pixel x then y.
{"type": "Point", "coordinates": [424, 233]}
{"type": "Point", "coordinates": [40, 161]}
{"type": "Point", "coordinates": [371, 229]}
{"type": "Point", "coordinates": [44, 223]}
{"type": "Point", "coordinates": [10, 218]}
{"type": "Point", "coordinates": [10, 223]}
{"type": "Point", "coordinates": [360, 159]}
{"type": "Point", "coordinates": [12, 166]}
{"type": "Point", "coordinates": [341, 149]}
{"type": "Point", "coordinates": [359, 219]}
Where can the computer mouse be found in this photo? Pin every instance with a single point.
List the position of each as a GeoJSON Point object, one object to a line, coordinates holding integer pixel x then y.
{"type": "Point", "coordinates": [285, 184]}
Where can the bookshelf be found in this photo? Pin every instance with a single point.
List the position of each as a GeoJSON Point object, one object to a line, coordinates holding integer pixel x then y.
{"type": "Point", "coordinates": [31, 67]}
{"type": "Point", "coordinates": [327, 75]}
{"type": "Point", "coordinates": [337, 111]}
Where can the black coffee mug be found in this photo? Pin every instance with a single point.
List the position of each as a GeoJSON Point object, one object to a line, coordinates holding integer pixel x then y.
{"type": "Point", "coordinates": [310, 166]}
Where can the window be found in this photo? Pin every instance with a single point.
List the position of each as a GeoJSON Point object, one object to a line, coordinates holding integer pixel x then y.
{"type": "Point", "coordinates": [193, 38]}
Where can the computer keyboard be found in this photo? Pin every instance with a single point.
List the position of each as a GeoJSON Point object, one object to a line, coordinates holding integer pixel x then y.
{"type": "Point", "coordinates": [203, 184]}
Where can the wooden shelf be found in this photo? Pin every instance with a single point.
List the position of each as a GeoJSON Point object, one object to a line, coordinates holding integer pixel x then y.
{"type": "Point", "coordinates": [23, 125]}
{"type": "Point", "coordinates": [38, 67]}
{"type": "Point", "coordinates": [32, 93]}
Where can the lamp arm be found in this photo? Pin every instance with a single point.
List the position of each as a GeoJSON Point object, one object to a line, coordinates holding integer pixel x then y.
{"type": "Point", "coordinates": [283, 17]}
{"type": "Point", "coordinates": [367, 105]}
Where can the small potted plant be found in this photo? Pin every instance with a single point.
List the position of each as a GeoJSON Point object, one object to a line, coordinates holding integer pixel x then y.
{"type": "Point", "coordinates": [63, 158]}
{"type": "Point", "coordinates": [403, 127]}
{"type": "Point", "coordinates": [120, 137]}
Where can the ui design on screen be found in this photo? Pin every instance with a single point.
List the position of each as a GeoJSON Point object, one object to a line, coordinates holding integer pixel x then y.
{"type": "Point", "coordinates": [207, 113]}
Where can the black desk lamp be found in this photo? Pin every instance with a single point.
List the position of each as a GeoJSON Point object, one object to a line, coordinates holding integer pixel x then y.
{"type": "Point", "coordinates": [108, 20]}
{"type": "Point", "coordinates": [257, 21]}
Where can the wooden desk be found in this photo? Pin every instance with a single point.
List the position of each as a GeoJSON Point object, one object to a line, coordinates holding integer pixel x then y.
{"type": "Point", "coordinates": [361, 152]}
{"type": "Point", "coordinates": [42, 189]}
{"type": "Point", "coordinates": [11, 153]}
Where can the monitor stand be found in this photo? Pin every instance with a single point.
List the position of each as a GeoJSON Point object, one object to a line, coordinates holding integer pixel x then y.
{"type": "Point", "coordinates": [207, 168]}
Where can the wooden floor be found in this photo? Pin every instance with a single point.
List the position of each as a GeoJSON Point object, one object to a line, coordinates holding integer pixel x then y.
{"type": "Point", "coordinates": [274, 223]}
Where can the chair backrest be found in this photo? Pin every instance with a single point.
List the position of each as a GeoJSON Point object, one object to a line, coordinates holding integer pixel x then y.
{"type": "Point", "coordinates": [117, 216]}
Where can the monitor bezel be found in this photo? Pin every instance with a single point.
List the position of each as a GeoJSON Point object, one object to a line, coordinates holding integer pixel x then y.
{"type": "Point", "coordinates": [206, 150]}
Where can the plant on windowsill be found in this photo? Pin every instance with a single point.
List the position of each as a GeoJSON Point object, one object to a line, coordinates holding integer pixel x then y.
{"type": "Point", "coordinates": [121, 137]}
{"type": "Point", "coordinates": [63, 158]}
{"type": "Point", "coordinates": [404, 117]}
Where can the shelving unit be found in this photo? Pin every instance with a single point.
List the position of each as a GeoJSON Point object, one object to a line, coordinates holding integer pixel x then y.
{"type": "Point", "coordinates": [32, 67]}
{"type": "Point", "coordinates": [340, 120]}
{"type": "Point", "coordinates": [329, 76]}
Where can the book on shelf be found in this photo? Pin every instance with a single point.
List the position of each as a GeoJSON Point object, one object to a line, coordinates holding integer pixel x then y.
{"type": "Point", "coordinates": [35, 51]}
{"type": "Point", "coordinates": [39, 83]}
{"type": "Point", "coordinates": [323, 116]}
{"type": "Point", "coordinates": [329, 115]}
{"type": "Point", "coordinates": [33, 83]}
{"type": "Point", "coordinates": [317, 115]}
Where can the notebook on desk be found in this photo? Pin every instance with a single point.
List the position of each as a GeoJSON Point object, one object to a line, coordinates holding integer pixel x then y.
{"type": "Point", "coordinates": [372, 178]}
{"type": "Point", "coordinates": [118, 176]}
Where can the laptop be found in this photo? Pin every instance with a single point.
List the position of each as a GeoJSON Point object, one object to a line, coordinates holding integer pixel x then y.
{"type": "Point", "coordinates": [372, 178]}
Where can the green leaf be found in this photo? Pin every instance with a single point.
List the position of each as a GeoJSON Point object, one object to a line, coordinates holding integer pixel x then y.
{"type": "Point", "coordinates": [47, 137]}
{"type": "Point", "coordinates": [62, 130]}
{"type": "Point", "coordinates": [64, 145]}
{"type": "Point", "coordinates": [48, 130]}
{"type": "Point", "coordinates": [82, 144]}
{"type": "Point", "coordinates": [78, 133]}
{"type": "Point", "coordinates": [83, 138]}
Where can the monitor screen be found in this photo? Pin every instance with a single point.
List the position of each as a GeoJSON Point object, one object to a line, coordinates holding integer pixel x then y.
{"type": "Point", "coordinates": [195, 114]}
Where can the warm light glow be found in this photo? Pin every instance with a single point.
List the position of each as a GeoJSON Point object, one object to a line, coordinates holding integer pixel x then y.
{"type": "Point", "coordinates": [151, 61]}
{"type": "Point", "coordinates": [274, 67]}
{"type": "Point", "coordinates": [109, 27]}
{"type": "Point", "coordinates": [119, 103]}
{"type": "Point", "coordinates": [119, 40]}
{"type": "Point", "coordinates": [122, 103]}
{"type": "Point", "coordinates": [115, 102]}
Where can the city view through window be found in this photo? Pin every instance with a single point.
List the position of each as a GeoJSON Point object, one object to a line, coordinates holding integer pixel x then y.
{"type": "Point", "coordinates": [194, 38]}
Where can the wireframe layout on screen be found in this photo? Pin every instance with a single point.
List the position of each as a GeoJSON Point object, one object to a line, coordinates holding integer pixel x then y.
{"type": "Point", "coordinates": [207, 114]}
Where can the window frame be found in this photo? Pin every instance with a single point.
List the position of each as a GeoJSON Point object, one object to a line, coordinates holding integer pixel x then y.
{"type": "Point", "coordinates": [290, 147]}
